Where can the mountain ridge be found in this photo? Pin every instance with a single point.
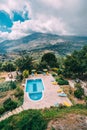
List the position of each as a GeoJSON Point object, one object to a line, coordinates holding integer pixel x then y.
{"type": "Point", "coordinates": [41, 41]}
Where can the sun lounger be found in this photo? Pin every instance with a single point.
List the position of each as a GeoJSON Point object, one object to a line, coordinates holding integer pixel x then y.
{"type": "Point", "coordinates": [62, 94]}
{"type": "Point", "coordinates": [56, 104]}
{"type": "Point", "coordinates": [59, 90]}
{"type": "Point", "coordinates": [67, 104]}
{"type": "Point", "coordinates": [54, 83]}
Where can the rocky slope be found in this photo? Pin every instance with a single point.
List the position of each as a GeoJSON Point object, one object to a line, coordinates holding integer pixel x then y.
{"type": "Point", "coordinates": [70, 122]}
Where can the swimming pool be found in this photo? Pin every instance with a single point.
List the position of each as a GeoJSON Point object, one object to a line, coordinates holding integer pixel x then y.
{"type": "Point", "coordinates": [34, 88]}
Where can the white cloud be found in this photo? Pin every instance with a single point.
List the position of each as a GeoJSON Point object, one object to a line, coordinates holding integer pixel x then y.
{"type": "Point", "coordinates": [3, 36]}
{"type": "Point", "coordinates": [18, 5]}
{"type": "Point", "coordinates": [53, 3]}
{"type": "Point", "coordinates": [62, 17]}
{"type": "Point", "coordinates": [52, 25]}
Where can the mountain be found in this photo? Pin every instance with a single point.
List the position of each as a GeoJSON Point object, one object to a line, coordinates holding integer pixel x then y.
{"type": "Point", "coordinates": [41, 41]}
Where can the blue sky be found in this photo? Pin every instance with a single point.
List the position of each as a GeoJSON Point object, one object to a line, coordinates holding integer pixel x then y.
{"type": "Point", "coordinates": [6, 22]}
{"type": "Point", "coordinates": [20, 18]}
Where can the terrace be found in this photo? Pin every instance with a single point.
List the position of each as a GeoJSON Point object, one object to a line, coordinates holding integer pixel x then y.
{"type": "Point", "coordinates": [50, 97]}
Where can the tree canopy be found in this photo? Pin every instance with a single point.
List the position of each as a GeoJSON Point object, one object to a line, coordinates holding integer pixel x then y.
{"type": "Point", "coordinates": [24, 63]}
{"type": "Point", "coordinates": [50, 59]}
{"type": "Point", "coordinates": [8, 66]}
{"type": "Point", "coordinates": [76, 63]}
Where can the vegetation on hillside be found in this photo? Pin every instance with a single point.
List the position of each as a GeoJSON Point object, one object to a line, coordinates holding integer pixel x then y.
{"type": "Point", "coordinates": [62, 81]}
{"type": "Point", "coordinates": [79, 92]}
{"type": "Point", "coordinates": [24, 63]}
{"type": "Point", "coordinates": [11, 95]}
{"type": "Point", "coordinates": [72, 66]}
{"type": "Point", "coordinates": [5, 86]}
{"type": "Point", "coordinates": [75, 65]}
{"type": "Point", "coordinates": [38, 42]}
{"type": "Point", "coordinates": [7, 66]}
{"type": "Point", "coordinates": [38, 119]}
{"type": "Point", "coordinates": [27, 120]}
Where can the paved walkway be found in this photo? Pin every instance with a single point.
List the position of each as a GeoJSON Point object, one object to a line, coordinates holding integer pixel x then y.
{"type": "Point", "coordinates": [10, 113]}
{"type": "Point", "coordinates": [50, 95]}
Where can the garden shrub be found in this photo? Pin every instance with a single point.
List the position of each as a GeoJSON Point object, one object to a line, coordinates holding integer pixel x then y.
{"type": "Point", "coordinates": [54, 74]}
{"type": "Point", "coordinates": [25, 73]}
{"type": "Point", "coordinates": [2, 110]}
{"type": "Point", "coordinates": [77, 85]}
{"type": "Point", "coordinates": [19, 92]}
{"type": "Point", "coordinates": [52, 128]}
{"type": "Point", "coordinates": [6, 86]}
{"type": "Point", "coordinates": [30, 120]}
{"type": "Point", "coordinates": [19, 77]}
{"type": "Point", "coordinates": [62, 81]}
{"type": "Point", "coordinates": [59, 71]}
{"type": "Point", "coordinates": [79, 92]}
{"type": "Point", "coordinates": [55, 69]}
{"type": "Point", "coordinates": [81, 106]}
{"type": "Point", "coordinates": [9, 104]}
{"type": "Point", "coordinates": [12, 84]}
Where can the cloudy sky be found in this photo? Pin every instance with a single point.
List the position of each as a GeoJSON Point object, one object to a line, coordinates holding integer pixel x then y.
{"type": "Point", "coordinates": [19, 18]}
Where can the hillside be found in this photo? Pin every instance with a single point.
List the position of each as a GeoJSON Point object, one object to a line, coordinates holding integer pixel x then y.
{"type": "Point", "coordinates": [73, 118]}
{"type": "Point", "coordinates": [40, 42]}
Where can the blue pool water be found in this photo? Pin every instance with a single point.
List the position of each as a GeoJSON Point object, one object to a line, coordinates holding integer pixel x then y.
{"type": "Point", "coordinates": [35, 89]}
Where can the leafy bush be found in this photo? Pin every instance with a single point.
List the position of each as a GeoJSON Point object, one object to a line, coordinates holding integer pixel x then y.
{"type": "Point", "coordinates": [24, 63]}
{"type": "Point", "coordinates": [54, 74]}
{"type": "Point", "coordinates": [76, 64]}
{"type": "Point", "coordinates": [77, 85]}
{"type": "Point", "coordinates": [27, 120]}
{"type": "Point", "coordinates": [19, 77]}
{"type": "Point", "coordinates": [62, 81]}
{"type": "Point", "coordinates": [42, 65]}
{"type": "Point", "coordinates": [81, 106]}
{"type": "Point", "coordinates": [13, 85]}
{"type": "Point", "coordinates": [79, 92]}
{"type": "Point", "coordinates": [7, 86]}
{"type": "Point", "coordinates": [9, 104]}
{"type": "Point", "coordinates": [36, 122]}
{"type": "Point", "coordinates": [2, 110]}
{"type": "Point", "coordinates": [19, 92]}
{"type": "Point", "coordinates": [55, 69]}
{"type": "Point", "coordinates": [85, 98]}
{"type": "Point", "coordinates": [25, 73]}
{"type": "Point", "coordinates": [8, 66]}
{"type": "Point", "coordinates": [60, 71]}
{"type": "Point", "coordinates": [50, 59]}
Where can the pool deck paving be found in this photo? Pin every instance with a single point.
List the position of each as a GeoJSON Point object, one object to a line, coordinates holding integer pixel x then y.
{"type": "Point", "coordinates": [50, 95]}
